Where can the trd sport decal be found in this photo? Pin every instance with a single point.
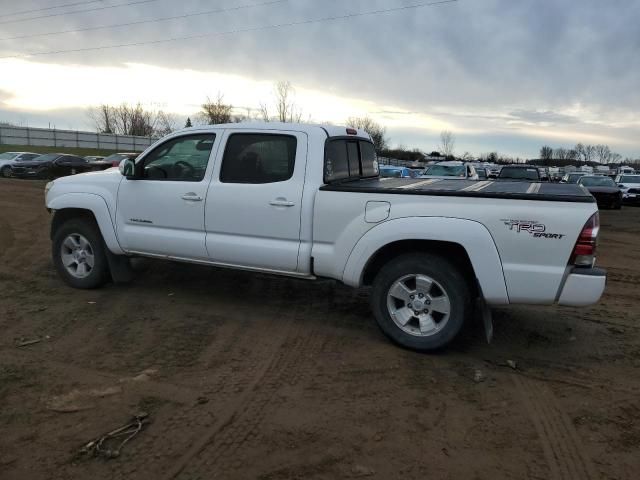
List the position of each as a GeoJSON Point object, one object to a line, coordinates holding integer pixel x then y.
{"type": "Point", "coordinates": [535, 229]}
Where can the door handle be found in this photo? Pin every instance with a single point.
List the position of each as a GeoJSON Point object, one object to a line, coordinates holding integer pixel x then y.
{"type": "Point", "coordinates": [191, 197]}
{"type": "Point", "coordinates": [281, 202]}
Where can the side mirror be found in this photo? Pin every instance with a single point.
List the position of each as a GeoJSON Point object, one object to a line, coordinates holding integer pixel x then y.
{"type": "Point", "coordinates": [127, 168]}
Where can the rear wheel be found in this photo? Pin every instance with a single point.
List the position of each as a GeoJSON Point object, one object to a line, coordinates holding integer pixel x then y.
{"type": "Point", "coordinates": [78, 254]}
{"type": "Point", "coordinates": [421, 301]}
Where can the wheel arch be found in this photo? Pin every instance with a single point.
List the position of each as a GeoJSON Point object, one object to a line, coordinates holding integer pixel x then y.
{"type": "Point", "coordinates": [88, 206]}
{"type": "Point", "coordinates": [466, 243]}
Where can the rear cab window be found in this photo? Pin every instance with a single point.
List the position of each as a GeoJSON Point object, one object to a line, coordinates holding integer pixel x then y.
{"type": "Point", "coordinates": [349, 159]}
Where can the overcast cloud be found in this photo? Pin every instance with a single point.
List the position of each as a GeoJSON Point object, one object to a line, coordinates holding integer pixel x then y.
{"type": "Point", "coordinates": [505, 75]}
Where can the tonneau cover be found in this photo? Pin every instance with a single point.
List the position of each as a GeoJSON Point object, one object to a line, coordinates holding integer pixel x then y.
{"type": "Point", "coordinates": [517, 190]}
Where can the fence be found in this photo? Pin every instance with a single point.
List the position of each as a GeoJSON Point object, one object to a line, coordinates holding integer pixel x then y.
{"type": "Point", "coordinates": [44, 137]}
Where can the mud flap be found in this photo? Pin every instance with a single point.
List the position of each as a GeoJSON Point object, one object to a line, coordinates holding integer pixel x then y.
{"type": "Point", "coordinates": [485, 313]}
{"type": "Point", "coordinates": [119, 267]}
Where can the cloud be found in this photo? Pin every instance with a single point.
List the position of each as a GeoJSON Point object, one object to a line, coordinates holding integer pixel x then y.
{"type": "Point", "coordinates": [480, 67]}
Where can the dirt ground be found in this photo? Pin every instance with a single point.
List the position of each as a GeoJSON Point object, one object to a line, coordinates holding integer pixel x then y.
{"type": "Point", "coordinates": [247, 376]}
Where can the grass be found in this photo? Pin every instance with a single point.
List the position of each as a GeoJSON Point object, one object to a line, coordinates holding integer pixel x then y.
{"type": "Point", "coordinates": [82, 152]}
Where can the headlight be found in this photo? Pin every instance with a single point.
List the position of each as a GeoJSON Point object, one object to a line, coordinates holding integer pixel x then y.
{"type": "Point", "coordinates": [47, 187]}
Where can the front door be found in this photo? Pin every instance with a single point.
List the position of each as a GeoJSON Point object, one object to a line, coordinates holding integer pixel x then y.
{"type": "Point", "coordinates": [254, 203]}
{"type": "Point", "coordinates": [161, 210]}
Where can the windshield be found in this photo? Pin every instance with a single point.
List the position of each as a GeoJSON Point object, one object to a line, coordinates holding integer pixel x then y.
{"type": "Point", "coordinates": [597, 182]}
{"type": "Point", "coordinates": [47, 158]}
{"type": "Point", "coordinates": [7, 156]}
{"type": "Point", "coordinates": [520, 173]}
{"type": "Point", "coordinates": [630, 179]}
{"type": "Point", "coordinates": [391, 172]}
{"type": "Point", "coordinates": [574, 177]}
{"type": "Point", "coordinates": [114, 158]}
{"type": "Point", "coordinates": [445, 170]}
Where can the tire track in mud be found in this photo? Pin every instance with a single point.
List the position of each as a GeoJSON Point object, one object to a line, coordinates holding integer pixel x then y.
{"type": "Point", "coordinates": [560, 442]}
{"type": "Point", "coordinates": [216, 452]}
{"type": "Point", "coordinates": [7, 238]}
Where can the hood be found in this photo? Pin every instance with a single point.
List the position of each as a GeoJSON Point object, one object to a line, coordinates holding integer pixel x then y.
{"type": "Point", "coordinates": [442, 177]}
{"type": "Point", "coordinates": [99, 176]}
{"type": "Point", "coordinates": [603, 189]}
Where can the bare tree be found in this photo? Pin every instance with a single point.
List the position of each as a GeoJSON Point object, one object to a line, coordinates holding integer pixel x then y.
{"type": "Point", "coordinates": [447, 143]}
{"type": "Point", "coordinates": [602, 153]}
{"type": "Point", "coordinates": [216, 112]}
{"type": "Point", "coordinates": [264, 112]}
{"type": "Point", "coordinates": [165, 123]}
{"type": "Point", "coordinates": [560, 153]}
{"type": "Point", "coordinates": [128, 119]}
{"type": "Point", "coordinates": [285, 105]}
{"type": "Point", "coordinates": [617, 158]}
{"type": "Point", "coordinates": [378, 132]}
{"type": "Point", "coordinates": [467, 157]}
{"type": "Point", "coordinates": [103, 117]}
{"type": "Point", "coordinates": [546, 154]}
{"type": "Point", "coordinates": [134, 120]}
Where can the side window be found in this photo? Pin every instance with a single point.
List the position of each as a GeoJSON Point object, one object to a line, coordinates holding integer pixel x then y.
{"type": "Point", "coordinates": [179, 159]}
{"type": "Point", "coordinates": [336, 162]}
{"type": "Point", "coordinates": [354, 159]}
{"type": "Point", "coordinates": [369, 159]}
{"type": "Point", "coordinates": [346, 159]}
{"type": "Point", "coordinates": [258, 158]}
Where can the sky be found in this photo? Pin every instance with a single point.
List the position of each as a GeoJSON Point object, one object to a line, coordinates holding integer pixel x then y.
{"type": "Point", "coordinates": [502, 75]}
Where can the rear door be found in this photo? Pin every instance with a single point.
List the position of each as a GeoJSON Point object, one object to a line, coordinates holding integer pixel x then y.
{"type": "Point", "coordinates": [254, 202]}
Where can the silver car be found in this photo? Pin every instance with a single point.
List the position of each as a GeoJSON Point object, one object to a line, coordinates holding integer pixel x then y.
{"type": "Point", "coordinates": [11, 158]}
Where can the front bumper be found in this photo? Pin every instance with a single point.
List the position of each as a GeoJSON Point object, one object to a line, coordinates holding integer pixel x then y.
{"type": "Point", "coordinates": [631, 198]}
{"type": "Point", "coordinates": [584, 286]}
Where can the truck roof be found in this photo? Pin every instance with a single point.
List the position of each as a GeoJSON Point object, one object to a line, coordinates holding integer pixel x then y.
{"type": "Point", "coordinates": [328, 130]}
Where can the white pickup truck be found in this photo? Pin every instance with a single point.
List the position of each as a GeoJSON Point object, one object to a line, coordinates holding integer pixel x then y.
{"type": "Point", "coordinates": [306, 201]}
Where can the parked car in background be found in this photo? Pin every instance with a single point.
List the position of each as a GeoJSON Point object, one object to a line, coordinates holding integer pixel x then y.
{"type": "Point", "coordinates": [603, 189]}
{"type": "Point", "coordinates": [544, 174]}
{"type": "Point", "coordinates": [519, 173]}
{"type": "Point", "coordinates": [115, 158]}
{"type": "Point", "coordinates": [450, 170]}
{"type": "Point", "coordinates": [629, 186]}
{"type": "Point", "coordinates": [572, 177]}
{"type": "Point", "coordinates": [396, 172]}
{"type": "Point", "coordinates": [51, 165]}
{"type": "Point", "coordinates": [94, 158]}
{"type": "Point", "coordinates": [482, 173]}
{"type": "Point", "coordinates": [493, 172]}
{"type": "Point", "coordinates": [10, 158]}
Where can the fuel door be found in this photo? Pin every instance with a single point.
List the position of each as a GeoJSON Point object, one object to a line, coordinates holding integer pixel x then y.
{"type": "Point", "coordinates": [376, 212]}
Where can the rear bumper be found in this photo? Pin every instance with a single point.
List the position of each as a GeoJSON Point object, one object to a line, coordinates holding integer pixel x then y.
{"type": "Point", "coordinates": [584, 286]}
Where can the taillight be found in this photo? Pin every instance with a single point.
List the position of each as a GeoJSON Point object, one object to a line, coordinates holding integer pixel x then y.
{"type": "Point", "coordinates": [584, 253]}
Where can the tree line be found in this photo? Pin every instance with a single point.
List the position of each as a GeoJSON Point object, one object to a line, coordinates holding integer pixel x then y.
{"type": "Point", "coordinates": [128, 119]}
{"type": "Point", "coordinates": [581, 153]}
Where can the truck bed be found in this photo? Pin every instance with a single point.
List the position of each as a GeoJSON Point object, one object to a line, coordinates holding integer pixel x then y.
{"type": "Point", "coordinates": [550, 192]}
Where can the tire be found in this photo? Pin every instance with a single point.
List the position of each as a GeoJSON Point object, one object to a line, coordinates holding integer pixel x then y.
{"type": "Point", "coordinates": [432, 329]}
{"type": "Point", "coordinates": [5, 171]}
{"type": "Point", "coordinates": [78, 241]}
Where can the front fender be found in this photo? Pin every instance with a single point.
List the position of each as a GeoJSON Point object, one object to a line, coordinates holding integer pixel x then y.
{"type": "Point", "coordinates": [472, 236]}
{"type": "Point", "coordinates": [98, 206]}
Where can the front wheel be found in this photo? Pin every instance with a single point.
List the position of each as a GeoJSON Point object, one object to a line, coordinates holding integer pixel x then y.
{"type": "Point", "coordinates": [5, 171]}
{"type": "Point", "coordinates": [421, 301]}
{"type": "Point", "coordinates": [78, 254]}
